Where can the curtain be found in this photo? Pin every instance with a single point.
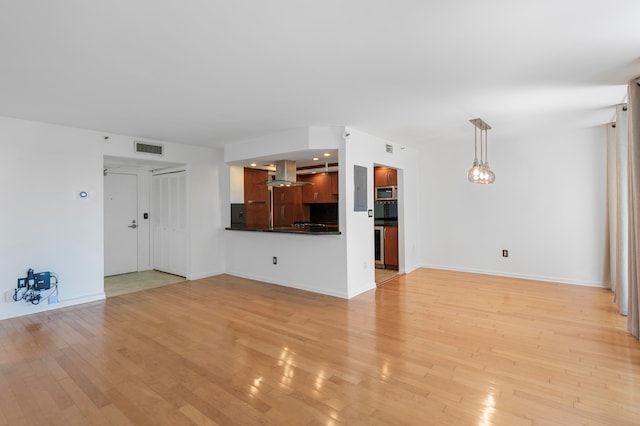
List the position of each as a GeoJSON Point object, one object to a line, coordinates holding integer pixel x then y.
{"type": "Point", "coordinates": [633, 318]}
{"type": "Point", "coordinates": [610, 257]}
{"type": "Point", "coordinates": [616, 260]}
{"type": "Point", "coordinates": [621, 295]}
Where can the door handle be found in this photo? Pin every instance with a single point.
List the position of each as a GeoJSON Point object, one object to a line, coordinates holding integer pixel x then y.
{"type": "Point", "coordinates": [133, 225]}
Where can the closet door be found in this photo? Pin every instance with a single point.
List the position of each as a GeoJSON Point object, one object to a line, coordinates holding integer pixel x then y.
{"type": "Point", "coordinates": [169, 223]}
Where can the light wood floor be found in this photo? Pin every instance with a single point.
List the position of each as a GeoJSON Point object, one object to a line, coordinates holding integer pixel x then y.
{"type": "Point", "coordinates": [384, 275]}
{"type": "Point", "coordinates": [428, 348]}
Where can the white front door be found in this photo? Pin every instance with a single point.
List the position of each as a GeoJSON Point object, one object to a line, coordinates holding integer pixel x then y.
{"type": "Point", "coordinates": [120, 224]}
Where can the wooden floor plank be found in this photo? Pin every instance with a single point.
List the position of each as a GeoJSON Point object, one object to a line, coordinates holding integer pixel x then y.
{"type": "Point", "coordinates": [434, 347]}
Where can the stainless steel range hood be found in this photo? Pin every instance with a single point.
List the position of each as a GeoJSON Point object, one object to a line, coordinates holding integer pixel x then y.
{"type": "Point", "coordinates": [286, 175]}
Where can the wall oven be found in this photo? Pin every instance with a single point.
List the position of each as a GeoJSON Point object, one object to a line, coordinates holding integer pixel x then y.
{"type": "Point", "coordinates": [385, 210]}
{"type": "Point", "coordinates": [378, 236]}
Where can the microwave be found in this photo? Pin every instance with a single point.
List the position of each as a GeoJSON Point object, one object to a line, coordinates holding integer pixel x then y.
{"type": "Point", "coordinates": [386, 193]}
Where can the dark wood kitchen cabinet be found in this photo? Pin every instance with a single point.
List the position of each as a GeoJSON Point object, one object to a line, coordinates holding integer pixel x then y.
{"type": "Point", "coordinates": [323, 190]}
{"type": "Point", "coordinates": [391, 247]}
{"type": "Point", "coordinates": [385, 176]}
{"type": "Point", "coordinates": [287, 206]}
{"type": "Point", "coordinates": [334, 184]}
{"type": "Point", "coordinates": [256, 198]}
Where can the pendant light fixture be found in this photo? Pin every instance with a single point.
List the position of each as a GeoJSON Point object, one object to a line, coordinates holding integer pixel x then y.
{"type": "Point", "coordinates": [480, 172]}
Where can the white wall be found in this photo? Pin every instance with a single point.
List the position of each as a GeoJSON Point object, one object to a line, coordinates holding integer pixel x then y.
{"type": "Point", "coordinates": [547, 207]}
{"type": "Point", "coordinates": [47, 227]}
{"type": "Point", "coordinates": [206, 239]}
{"type": "Point", "coordinates": [287, 141]}
{"type": "Point", "coordinates": [309, 262]}
{"type": "Point", "coordinates": [236, 189]}
{"type": "Point", "coordinates": [144, 227]}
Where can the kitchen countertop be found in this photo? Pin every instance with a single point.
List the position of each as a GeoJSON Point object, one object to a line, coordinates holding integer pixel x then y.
{"type": "Point", "coordinates": [305, 230]}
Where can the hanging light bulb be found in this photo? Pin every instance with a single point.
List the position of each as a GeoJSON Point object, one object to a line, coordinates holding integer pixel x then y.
{"type": "Point", "coordinates": [474, 172]}
{"type": "Point", "coordinates": [491, 177]}
{"type": "Point", "coordinates": [480, 172]}
{"type": "Point", "coordinates": [483, 174]}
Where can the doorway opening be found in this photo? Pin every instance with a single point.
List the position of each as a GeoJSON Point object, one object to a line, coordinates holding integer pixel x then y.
{"type": "Point", "coordinates": [129, 226]}
{"type": "Point", "coordinates": [386, 221]}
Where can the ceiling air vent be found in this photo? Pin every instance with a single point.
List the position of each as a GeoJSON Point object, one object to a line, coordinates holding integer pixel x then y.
{"type": "Point", "coordinates": [148, 148]}
{"type": "Point", "coordinates": [390, 148]}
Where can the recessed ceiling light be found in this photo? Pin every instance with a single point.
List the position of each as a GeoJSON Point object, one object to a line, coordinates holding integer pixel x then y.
{"type": "Point", "coordinates": [315, 158]}
{"type": "Point", "coordinates": [253, 164]}
{"type": "Point", "coordinates": [326, 154]}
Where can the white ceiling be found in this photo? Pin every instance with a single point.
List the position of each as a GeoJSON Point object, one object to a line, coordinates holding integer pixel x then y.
{"type": "Point", "coordinates": [208, 72]}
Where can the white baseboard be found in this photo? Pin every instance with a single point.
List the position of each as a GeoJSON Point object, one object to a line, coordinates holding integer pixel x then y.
{"type": "Point", "coordinates": [517, 275]}
{"type": "Point", "coordinates": [44, 306]}
{"type": "Point", "coordinates": [362, 289]}
{"type": "Point", "coordinates": [291, 285]}
{"type": "Point", "coordinates": [410, 269]}
{"type": "Point", "coordinates": [191, 277]}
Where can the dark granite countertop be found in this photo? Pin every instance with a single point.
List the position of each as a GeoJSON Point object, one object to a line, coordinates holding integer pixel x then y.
{"type": "Point", "coordinates": [304, 230]}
